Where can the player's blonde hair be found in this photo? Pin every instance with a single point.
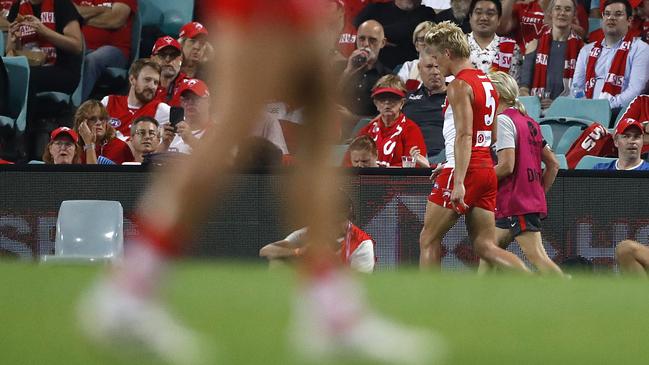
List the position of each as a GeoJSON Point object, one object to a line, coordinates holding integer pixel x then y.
{"type": "Point", "coordinates": [507, 90]}
{"type": "Point", "coordinates": [446, 35]}
{"type": "Point", "coordinates": [392, 81]}
{"type": "Point", "coordinates": [423, 27]}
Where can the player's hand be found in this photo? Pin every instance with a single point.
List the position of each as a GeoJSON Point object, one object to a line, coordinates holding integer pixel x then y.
{"type": "Point", "coordinates": [86, 133]}
{"type": "Point", "coordinates": [457, 198]}
{"type": "Point", "coordinates": [436, 171]}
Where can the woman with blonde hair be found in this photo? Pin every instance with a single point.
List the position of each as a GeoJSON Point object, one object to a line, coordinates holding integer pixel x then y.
{"type": "Point", "coordinates": [522, 184]}
{"type": "Point", "coordinates": [409, 72]}
{"type": "Point", "coordinates": [98, 138]}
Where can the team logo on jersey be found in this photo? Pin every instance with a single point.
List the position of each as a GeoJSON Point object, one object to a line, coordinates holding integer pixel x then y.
{"type": "Point", "coordinates": [115, 123]}
{"type": "Point", "coordinates": [483, 139]}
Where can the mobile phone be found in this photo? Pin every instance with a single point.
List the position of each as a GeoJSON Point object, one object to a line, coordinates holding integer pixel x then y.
{"type": "Point", "coordinates": [176, 115]}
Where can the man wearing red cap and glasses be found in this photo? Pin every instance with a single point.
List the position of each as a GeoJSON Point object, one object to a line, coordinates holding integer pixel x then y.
{"type": "Point", "coordinates": [194, 98]}
{"type": "Point", "coordinates": [195, 49]}
{"type": "Point", "coordinates": [267, 50]}
{"type": "Point", "coordinates": [167, 52]}
{"type": "Point", "coordinates": [395, 135]}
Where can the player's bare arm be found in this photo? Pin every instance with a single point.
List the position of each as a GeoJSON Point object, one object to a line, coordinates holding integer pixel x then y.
{"type": "Point", "coordinates": [279, 250]}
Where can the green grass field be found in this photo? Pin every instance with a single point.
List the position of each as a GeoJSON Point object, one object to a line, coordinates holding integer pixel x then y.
{"type": "Point", "coordinates": [245, 309]}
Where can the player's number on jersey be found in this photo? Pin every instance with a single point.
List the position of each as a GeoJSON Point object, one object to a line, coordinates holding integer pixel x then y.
{"type": "Point", "coordinates": [490, 103]}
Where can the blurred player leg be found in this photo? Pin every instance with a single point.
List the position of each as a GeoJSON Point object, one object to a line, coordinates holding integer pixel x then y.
{"type": "Point", "coordinates": [532, 247]}
{"type": "Point", "coordinates": [632, 257]}
{"type": "Point", "coordinates": [482, 232]}
{"type": "Point", "coordinates": [437, 221]}
{"type": "Point", "coordinates": [503, 237]}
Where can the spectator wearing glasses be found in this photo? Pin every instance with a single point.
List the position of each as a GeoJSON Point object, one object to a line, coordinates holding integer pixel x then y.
{"type": "Point", "coordinates": [63, 148]}
{"type": "Point", "coordinates": [145, 137]}
{"type": "Point", "coordinates": [409, 72]}
{"type": "Point", "coordinates": [167, 52]}
{"type": "Point", "coordinates": [194, 98]}
{"type": "Point", "coordinates": [548, 70]}
{"type": "Point", "coordinates": [195, 49]}
{"type": "Point", "coordinates": [614, 68]}
{"type": "Point", "coordinates": [98, 139]}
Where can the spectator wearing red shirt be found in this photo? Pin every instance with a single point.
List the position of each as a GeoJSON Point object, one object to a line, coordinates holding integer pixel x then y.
{"type": "Point", "coordinates": [98, 138]}
{"type": "Point", "coordinates": [394, 134]}
{"type": "Point", "coordinates": [107, 30]}
{"type": "Point", "coordinates": [63, 148]}
{"type": "Point", "coordinates": [167, 52]}
{"type": "Point", "coordinates": [144, 78]}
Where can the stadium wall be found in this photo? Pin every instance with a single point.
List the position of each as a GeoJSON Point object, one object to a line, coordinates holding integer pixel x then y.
{"type": "Point", "coordinates": [589, 212]}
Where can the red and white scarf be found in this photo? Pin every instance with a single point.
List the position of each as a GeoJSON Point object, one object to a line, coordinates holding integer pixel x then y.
{"type": "Point", "coordinates": [503, 60]}
{"type": "Point", "coordinates": [27, 34]}
{"type": "Point", "coordinates": [615, 77]}
{"type": "Point", "coordinates": [388, 139]}
{"type": "Point", "coordinates": [574, 44]}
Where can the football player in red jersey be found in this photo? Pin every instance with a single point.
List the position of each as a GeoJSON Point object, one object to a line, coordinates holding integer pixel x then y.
{"type": "Point", "coordinates": [467, 182]}
{"type": "Point", "coordinates": [331, 317]}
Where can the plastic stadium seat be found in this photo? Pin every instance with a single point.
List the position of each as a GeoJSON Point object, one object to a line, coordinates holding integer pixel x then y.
{"type": "Point", "coordinates": [88, 230]}
{"type": "Point", "coordinates": [594, 24]}
{"type": "Point", "coordinates": [75, 98]}
{"type": "Point", "coordinates": [588, 162]}
{"type": "Point", "coordinates": [18, 72]}
{"type": "Point", "coordinates": [3, 36]}
{"type": "Point", "coordinates": [359, 125]}
{"type": "Point", "coordinates": [168, 15]}
{"type": "Point", "coordinates": [546, 131]}
{"type": "Point", "coordinates": [563, 162]}
{"type": "Point", "coordinates": [569, 136]}
{"type": "Point", "coordinates": [136, 37]}
{"type": "Point", "coordinates": [440, 157]}
{"type": "Point", "coordinates": [585, 110]}
{"type": "Point", "coordinates": [532, 105]}
{"type": "Point", "coordinates": [338, 154]}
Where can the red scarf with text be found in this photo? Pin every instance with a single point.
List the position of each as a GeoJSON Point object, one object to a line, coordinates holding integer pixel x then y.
{"type": "Point", "coordinates": [574, 44]}
{"type": "Point", "coordinates": [615, 77]}
{"type": "Point", "coordinates": [27, 34]}
{"type": "Point", "coordinates": [503, 60]}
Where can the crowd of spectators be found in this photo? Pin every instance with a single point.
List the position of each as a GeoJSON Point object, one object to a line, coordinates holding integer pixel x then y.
{"type": "Point", "coordinates": [392, 95]}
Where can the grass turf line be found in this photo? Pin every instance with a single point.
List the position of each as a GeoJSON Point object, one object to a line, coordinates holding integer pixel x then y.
{"type": "Point", "coordinates": [244, 309]}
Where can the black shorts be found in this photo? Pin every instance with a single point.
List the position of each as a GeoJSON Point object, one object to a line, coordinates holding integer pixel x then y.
{"type": "Point", "coordinates": [518, 224]}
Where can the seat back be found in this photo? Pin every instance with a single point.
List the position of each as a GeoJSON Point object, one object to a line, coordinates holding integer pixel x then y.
{"type": "Point", "coordinates": [548, 136]}
{"type": "Point", "coordinates": [338, 154]}
{"type": "Point", "coordinates": [563, 162]}
{"type": "Point", "coordinates": [3, 36]}
{"type": "Point", "coordinates": [567, 139]}
{"type": "Point", "coordinates": [588, 162]}
{"type": "Point", "coordinates": [594, 24]}
{"type": "Point", "coordinates": [594, 110]}
{"type": "Point", "coordinates": [18, 72]}
{"type": "Point", "coordinates": [168, 15]}
{"type": "Point", "coordinates": [532, 105]}
{"type": "Point", "coordinates": [559, 127]}
{"type": "Point", "coordinates": [359, 125]}
{"type": "Point", "coordinates": [90, 229]}
{"type": "Point", "coordinates": [136, 36]}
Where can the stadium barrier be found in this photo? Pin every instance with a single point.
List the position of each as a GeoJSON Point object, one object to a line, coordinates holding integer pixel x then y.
{"type": "Point", "coordinates": [589, 212]}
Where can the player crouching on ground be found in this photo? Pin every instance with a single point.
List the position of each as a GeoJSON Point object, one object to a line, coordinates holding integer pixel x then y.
{"type": "Point", "coordinates": [520, 202]}
{"type": "Point", "coordinates": [354, 247]}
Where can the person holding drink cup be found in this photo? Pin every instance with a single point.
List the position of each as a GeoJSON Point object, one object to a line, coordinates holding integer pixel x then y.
{"type": "Point", "coordinates": [399, 140]}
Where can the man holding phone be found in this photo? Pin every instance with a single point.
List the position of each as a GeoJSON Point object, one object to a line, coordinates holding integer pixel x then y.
{"type": "Point", "coordinates": [187, 123]}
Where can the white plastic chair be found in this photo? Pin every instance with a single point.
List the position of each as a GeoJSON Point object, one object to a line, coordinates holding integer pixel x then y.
{"type": "Point", "coordinates": [89, 230]}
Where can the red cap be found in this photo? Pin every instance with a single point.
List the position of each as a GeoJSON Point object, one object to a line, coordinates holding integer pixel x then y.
{"type": "Point", "coordinates": [192, 30]}
{"type": "Point", "coordinates": [627, 123]}
{"type": "Point", "coordinates": [164, 42]}
{"type": "Point", "coordinates": [388, 90]}
{"type": "Point", "coordinates": [64, 130]}
{"type": "Point", "coordinates": [198, 87]}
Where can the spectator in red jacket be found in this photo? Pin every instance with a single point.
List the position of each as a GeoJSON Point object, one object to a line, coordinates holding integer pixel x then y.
{"type": "Point", "coordinates": [98, 137]}
{"type": "Point", "coordinates": [394, 134]}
